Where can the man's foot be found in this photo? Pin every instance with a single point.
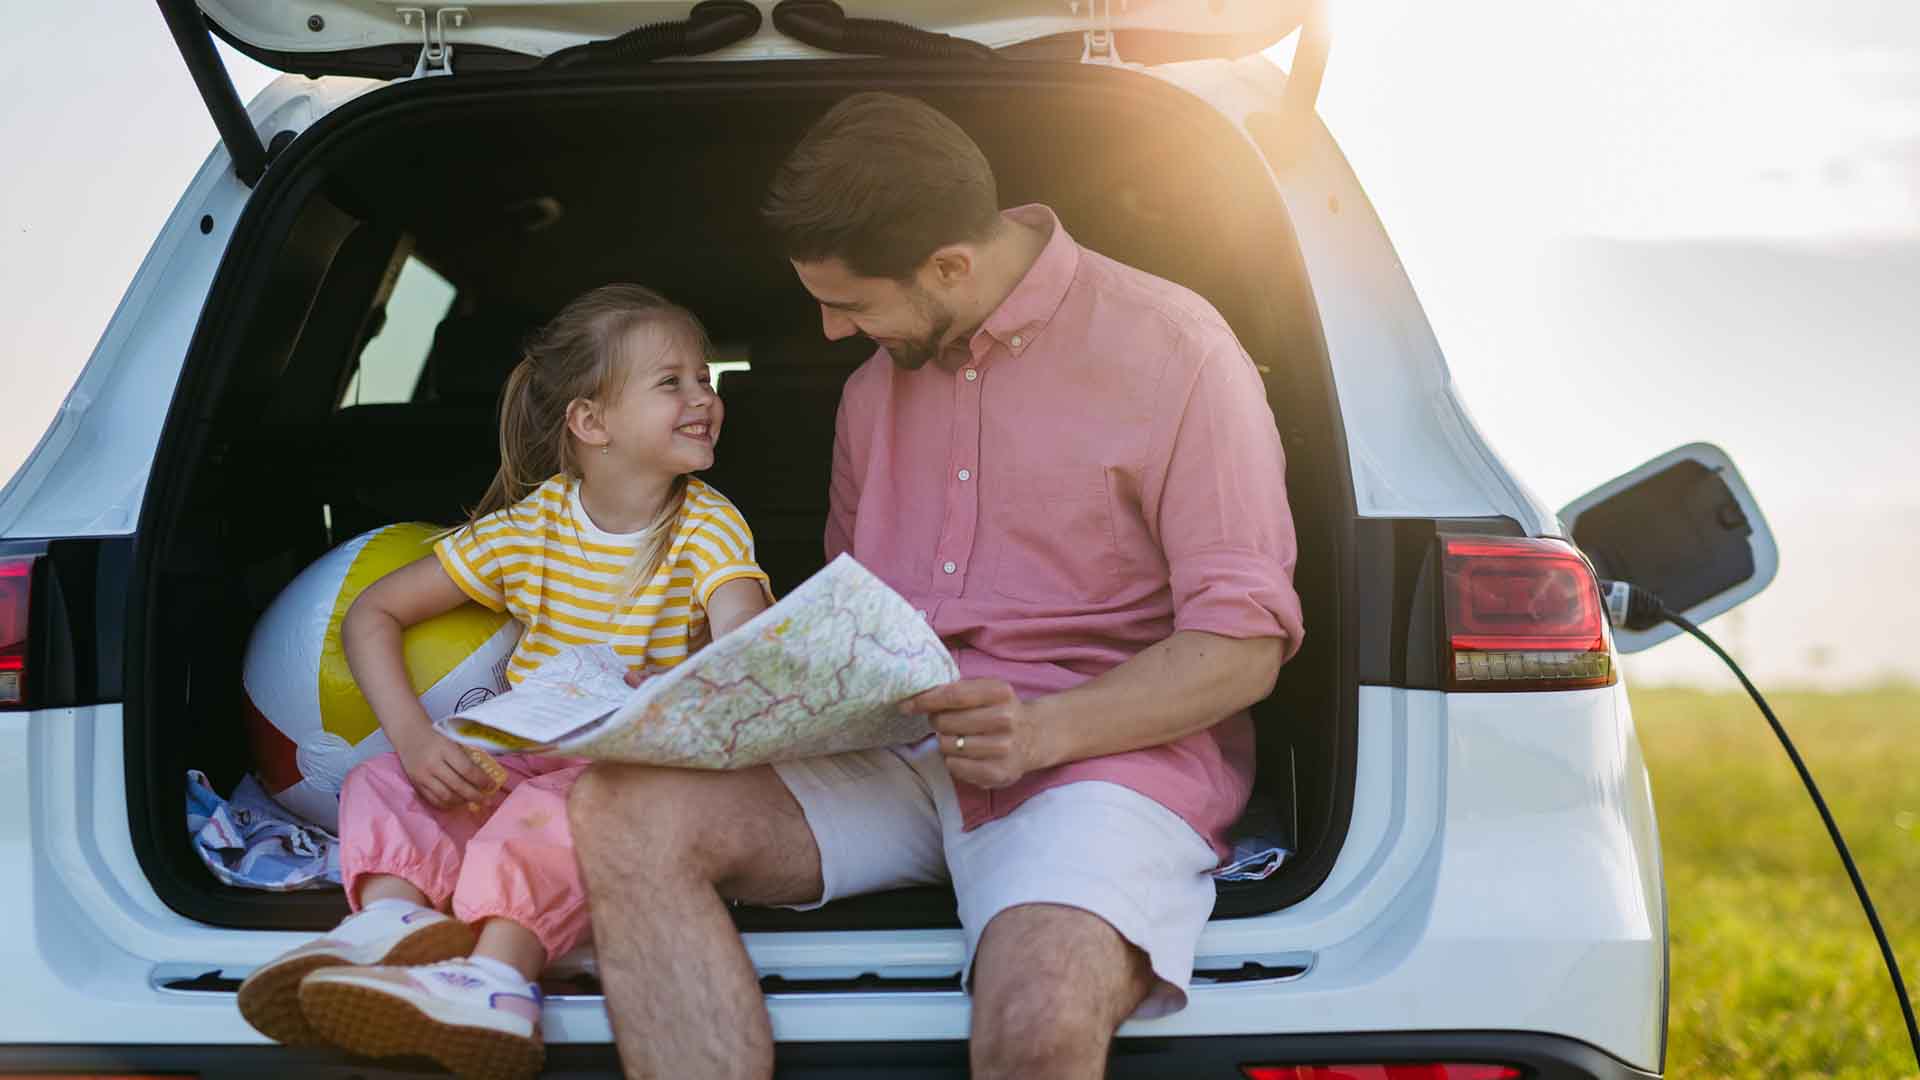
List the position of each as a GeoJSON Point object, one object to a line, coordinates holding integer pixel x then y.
{"type": "Point", "coordinates": [383, 934]}
{"type": "Point", "coordinates": [472, 1021]}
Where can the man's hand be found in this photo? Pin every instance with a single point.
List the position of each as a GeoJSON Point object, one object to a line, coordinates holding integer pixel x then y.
{"type": "Point", "coordinates": [989, 737]}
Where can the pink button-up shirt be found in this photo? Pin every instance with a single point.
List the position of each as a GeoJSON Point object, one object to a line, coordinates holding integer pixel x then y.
{"type": "Point", "coordinates": [1101, 471]}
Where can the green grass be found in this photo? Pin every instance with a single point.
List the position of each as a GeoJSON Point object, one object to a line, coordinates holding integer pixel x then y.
{"type": "Point", "coordinates": [1775, 972]}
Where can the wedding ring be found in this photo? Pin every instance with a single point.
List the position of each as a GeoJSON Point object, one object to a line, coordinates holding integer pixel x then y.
{"type": "Point", "coordinates": [959, 743]}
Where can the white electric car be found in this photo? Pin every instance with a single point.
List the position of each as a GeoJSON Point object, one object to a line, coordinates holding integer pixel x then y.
{"type": "Point", "coordinates": [314, 346]}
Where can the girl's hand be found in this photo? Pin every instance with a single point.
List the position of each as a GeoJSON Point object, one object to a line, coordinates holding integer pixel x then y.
{"type": "Point", "coordinates": [442, 772]}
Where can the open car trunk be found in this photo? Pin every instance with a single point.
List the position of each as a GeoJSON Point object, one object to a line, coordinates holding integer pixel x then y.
{"type": "Point", "coordinates": [522, 191]}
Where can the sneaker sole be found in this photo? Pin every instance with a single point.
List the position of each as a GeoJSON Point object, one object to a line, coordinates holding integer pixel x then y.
{"type": "Point", "coordinates": [365, 1021]}
{"type": "Point", "coordinates": [270, 997]}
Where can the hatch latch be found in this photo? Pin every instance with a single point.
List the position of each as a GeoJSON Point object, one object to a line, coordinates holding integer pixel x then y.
{"type": "Point", "coordinates": [436, 56]}
{"type": "Point", "coordinates": [1100, 46]}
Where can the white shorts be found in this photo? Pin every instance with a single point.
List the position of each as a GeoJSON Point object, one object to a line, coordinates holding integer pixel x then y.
{"type": "Point", "coordinates": [886, 819]}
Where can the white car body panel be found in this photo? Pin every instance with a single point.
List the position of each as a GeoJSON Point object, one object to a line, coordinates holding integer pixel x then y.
{"type": "Point", "coordinates": [1536, 912]}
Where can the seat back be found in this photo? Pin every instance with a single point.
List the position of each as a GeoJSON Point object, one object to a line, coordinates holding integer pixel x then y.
{"type": "Point", "coordinates": [775, 457]}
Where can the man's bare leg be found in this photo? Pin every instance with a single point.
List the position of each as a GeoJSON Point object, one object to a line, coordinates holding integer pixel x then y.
{"type": "Point", "coordinates": [659, 848]}
{"type": "Point", "coordinates": [1050, 986]}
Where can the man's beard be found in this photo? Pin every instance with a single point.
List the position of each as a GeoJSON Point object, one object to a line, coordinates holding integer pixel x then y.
{"type": "Point", "coordinates": [913, 354]}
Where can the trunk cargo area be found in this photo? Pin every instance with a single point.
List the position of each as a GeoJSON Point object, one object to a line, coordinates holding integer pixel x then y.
{"type": "Point", "coordinates": [522, 191]}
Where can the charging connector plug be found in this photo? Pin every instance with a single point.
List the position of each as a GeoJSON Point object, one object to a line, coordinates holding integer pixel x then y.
{"type": "Point", "coordinates": [1630, 607]}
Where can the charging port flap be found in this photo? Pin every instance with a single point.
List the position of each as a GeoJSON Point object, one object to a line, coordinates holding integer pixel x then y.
{"type": "Point", "coordinates": [1683, 526]}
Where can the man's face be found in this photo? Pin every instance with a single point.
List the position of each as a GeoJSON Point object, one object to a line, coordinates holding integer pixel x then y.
{"type": "Point", "coordinates": [903, 317]}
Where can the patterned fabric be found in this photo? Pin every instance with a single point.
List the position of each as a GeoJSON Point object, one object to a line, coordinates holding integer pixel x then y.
{"type": "Point", "coordinates": [545, 561]}
{"type": "Point", "coordinates": [251, 842]}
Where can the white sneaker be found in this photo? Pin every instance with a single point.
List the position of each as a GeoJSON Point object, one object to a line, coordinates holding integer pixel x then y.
{"type": "Point", "coordinates": [387, 934]}
{"type": "Point", "coordinates": [471, 1021]}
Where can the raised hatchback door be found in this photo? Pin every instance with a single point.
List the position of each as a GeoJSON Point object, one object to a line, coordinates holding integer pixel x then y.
{"type": "Point", "coordinates": [1683, 526]}
{"type": "Point", "coordinates": [388, 38]}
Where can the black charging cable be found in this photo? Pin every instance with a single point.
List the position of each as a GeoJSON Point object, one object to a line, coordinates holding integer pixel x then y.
{"type": "Point", "coordinates": [1634, 608]}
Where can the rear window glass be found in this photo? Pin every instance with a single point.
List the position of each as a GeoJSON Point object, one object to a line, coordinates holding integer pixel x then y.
{"type": "Point", "coordinates": [391, 362]}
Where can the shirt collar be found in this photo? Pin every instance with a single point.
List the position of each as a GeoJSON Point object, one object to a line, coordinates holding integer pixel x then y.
{"type": "Point", "coordinates": [1025, 312]}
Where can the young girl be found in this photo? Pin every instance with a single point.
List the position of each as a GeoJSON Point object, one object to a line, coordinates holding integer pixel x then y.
{"type": "Point", "coordinates": [593, 532]}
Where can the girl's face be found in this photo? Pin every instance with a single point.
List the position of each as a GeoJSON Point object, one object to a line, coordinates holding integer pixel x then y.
{"type": "Point", "coordinates": [666, 417]}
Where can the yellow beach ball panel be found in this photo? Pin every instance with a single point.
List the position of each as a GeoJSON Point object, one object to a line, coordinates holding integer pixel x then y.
{"type": "Point", "coordinates": [432, 648]}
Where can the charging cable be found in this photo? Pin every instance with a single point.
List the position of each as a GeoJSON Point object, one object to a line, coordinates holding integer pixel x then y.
{"type": "Point", "coordinates": [1633, 608]}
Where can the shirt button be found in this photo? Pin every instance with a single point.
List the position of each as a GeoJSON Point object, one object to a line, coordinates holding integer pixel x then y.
{"type": "Point", "coordinates": [923, 613]}
{"type": "Point", "coordinates": [965, 475]}
{"type": "Point", "coordinates": [972, 374]}
{"type": "Point", "coordinates": [1017, 341]}
{"type": "Point", "coordinates": [948, 567]}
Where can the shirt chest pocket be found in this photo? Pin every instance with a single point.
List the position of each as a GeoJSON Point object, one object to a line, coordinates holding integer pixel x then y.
{"type": "Point", "coordinates": [1057, 542]}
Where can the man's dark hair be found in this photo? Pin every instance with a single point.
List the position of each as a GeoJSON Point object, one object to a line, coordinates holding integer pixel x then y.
{"type": "Point", "coordinates": [881, 182]}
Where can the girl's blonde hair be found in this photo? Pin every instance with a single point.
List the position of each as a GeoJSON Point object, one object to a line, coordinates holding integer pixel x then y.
{"type": "Point", "coordinates": [581, 353]}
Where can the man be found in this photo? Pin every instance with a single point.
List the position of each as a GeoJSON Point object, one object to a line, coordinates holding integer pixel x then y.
{"type": "Point", "coordinates": [1069, 466]}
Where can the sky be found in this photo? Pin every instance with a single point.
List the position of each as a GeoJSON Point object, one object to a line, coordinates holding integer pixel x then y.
{"type": "Point", "coordinates": [1632, 224]}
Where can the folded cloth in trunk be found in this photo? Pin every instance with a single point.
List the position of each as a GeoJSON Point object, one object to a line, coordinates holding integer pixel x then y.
{"type": "Point", "coordinates": [1261, 840]}
{"type": "Point", "coordinates": [251, 842]}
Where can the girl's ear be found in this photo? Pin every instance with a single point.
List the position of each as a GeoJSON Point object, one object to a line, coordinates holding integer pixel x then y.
{"type": "Point", "coordinates": [584, 423]}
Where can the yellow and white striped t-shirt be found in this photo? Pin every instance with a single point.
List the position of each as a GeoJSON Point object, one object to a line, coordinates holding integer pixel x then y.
{"type": "Point", "coordinates": [544, 561]}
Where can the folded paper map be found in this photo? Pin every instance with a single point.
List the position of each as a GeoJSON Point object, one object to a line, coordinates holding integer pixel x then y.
{"type": "Point", "coordinates": [822, 671]}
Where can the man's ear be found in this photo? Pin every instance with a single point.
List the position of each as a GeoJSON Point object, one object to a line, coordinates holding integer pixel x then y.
{"type": "Point", "coordinates": [951, 265]}
{"type": "Point", "coordinates": [584, 423]}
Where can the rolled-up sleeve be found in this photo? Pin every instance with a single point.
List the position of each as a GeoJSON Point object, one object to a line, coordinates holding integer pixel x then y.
{"type": "Point", "coordinates": [469, 558]}
{"type": "Point", "coordinates": [1219, 510]}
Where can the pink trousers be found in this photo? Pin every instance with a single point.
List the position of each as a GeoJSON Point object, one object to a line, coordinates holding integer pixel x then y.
{"type": "Point", "coordinates": [512, 859]}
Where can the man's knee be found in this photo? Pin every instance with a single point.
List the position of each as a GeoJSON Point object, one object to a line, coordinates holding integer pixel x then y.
{"type": "Point", "coordinates": [657, 817]}
{"type": "Point", "coordinates": [1043, 1026]}
{"type": "Point", "coordinates": [1051, 985]}
{"type": "Point", "coordinates": [600, 801]}
{"type": "Point", "coordinates": [629, 808]}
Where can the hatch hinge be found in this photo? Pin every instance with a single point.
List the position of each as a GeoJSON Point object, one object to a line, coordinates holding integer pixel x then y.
{"type": "Point", "coordinates": [436, 56]}
{"type": "Point", "coordinates": [1100, 46]}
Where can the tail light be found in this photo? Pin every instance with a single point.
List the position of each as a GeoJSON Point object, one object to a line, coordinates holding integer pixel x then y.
{"type": "Point", "coordinates": [1522, 614]}
{"type": "Point", "coordinates": [16, 588]}
{"type": "Point", "coordinates": [1409, 1071]}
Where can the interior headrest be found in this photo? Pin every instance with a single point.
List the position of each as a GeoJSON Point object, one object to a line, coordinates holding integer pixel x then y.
{"type": "Point", "coordinates": [473, 352]}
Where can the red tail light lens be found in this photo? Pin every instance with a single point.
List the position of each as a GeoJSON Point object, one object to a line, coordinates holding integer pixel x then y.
{"type": "Point", "coordinates": [1522, 614]}
{"type": "Point", "coordinates": [1421, 1071]}
{"type": "Point", "coordinates": [16, 587]}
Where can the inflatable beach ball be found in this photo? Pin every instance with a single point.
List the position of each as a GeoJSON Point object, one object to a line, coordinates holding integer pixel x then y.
{"type": "Point", "coordinates": [307, 724]}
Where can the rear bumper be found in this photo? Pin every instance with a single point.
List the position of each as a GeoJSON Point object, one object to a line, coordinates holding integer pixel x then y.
{"type": "Point", "coordinates": [1540, 1057]}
